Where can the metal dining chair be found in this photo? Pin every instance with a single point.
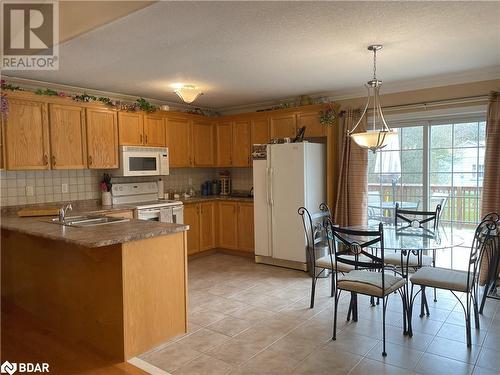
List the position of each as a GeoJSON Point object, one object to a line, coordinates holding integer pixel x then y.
{"type": "Point", "coordinates": [404, 218]}
{"type": "Point", "coordinates": [457, 281]}
{"type": "Point", "coordinates": [491, 260]}
{"type": "Point", "coordinates": [351, 248]}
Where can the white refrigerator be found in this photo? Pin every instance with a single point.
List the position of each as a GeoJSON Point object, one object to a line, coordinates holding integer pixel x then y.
{"type": "Point", "coordinates": [286, 177]}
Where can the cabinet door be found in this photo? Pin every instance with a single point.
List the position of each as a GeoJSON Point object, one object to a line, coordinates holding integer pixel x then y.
{"type": "Point", "coordinates": [130, 128]}
{"type": "Point", "coordinates": [224, 133]}
{"type": "Point", "coordinates": [179, 141]}
{"type": "Point", "coordinates": [228, 226]}
{"type": "Point", "coordinates": [241, 143]}
{"type": "Point", "coordinates": [203, 144]}
{"type": "Point", "coordinates": [102, 139]}
{"type": "Point", "coordinates": [283, 126]}
{"type": "Point", "coordinates": [245, 227]}
{"type": "Point", "coordinates": [311, 121]}
{"type": "Point", "coordinates": [207, 226]}
{"type": "Point", "coordinates": [68, 144]}
{"type": "Point", "coordinates": [260, 131]}
{"type": "Point", "coordinates": [27, 135]}
{"type": "Point", "coordinates": [154, 131]}
{"type": "Point", "coordinates": [192, 219]}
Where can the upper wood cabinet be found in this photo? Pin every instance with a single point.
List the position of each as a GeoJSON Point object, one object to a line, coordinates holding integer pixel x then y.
{"type": "Point", "coordinates": [154, 130]}
{"type": "Point", "coordinates": [102, 139]}
{"type": "Point", "coordinates": [241, 145]}
{"type": "Point", "coordinates": [311, 121]}
{"type": "Point", "coordinates": [260, 131]}
{"type": "Point", "coordinates": [68, 143]}
{"type": "Point", "coordinates": [203, 143]}
{"type": "Point", "coordinates": [245, 227]}
{"type": "Point", "coordinates": [179, 141]}
{"type": "Point", "coordinates": [27, 135]}
{"type": "Point", "coordinates": [228, 225]}
{"type": "Point", "coordinates": [224, 139]}
{"type": "Point", "coordinates": [131, 128]}
{"type": "Point", "coordinates": [283, 126]}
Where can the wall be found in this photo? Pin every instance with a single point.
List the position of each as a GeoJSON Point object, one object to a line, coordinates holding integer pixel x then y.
{"type": "Point", "coordinates": [84, 183]}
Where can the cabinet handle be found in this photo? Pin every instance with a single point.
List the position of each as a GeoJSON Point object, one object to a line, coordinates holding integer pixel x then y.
{"type": "Point", "coordinates": [45, 159]}
{"type": "Point", "coordinates": [146, 136]}
{"type": "Point", "coordinates": [53, 161]}
{"type": "Point", "coordinates": [90, 159]}
{"type": "Point", "coordinates": [140, 136]}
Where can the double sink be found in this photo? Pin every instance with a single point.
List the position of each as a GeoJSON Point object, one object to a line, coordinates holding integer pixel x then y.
{"type": "Point", "coordinates": [88, 220]}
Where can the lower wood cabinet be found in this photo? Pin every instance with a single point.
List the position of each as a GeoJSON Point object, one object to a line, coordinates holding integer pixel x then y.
{"type": "Point", "coordinates": [245, 227]}
{"type": "Point", "coordinates": [228, 225]}
{"type": "Point", "coordinates": [201, 220]}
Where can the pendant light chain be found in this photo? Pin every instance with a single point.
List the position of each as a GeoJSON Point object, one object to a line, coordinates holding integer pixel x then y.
{"type": "Point", "coordinates": [374, 64]}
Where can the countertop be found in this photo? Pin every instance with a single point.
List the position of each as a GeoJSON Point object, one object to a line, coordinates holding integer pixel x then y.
{"type": "Point", "coordinates": [96, 236]}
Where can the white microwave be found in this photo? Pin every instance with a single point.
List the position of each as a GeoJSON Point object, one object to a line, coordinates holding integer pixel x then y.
{"type": "Point", "coordinates": [143, 161]}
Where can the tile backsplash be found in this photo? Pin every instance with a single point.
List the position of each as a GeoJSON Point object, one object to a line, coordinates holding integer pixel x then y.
{"type": "Point", "coordinates": [84, 183]}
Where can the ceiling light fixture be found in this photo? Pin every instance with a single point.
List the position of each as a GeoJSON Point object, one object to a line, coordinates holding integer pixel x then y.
{"type": "Point", "coordinates": [374, 139]}
{"type": "Point", "coordinates": [188, 93]}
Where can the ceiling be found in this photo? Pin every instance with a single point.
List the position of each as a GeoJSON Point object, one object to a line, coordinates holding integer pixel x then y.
{"type": "Point", "coordinates": [251, 52]}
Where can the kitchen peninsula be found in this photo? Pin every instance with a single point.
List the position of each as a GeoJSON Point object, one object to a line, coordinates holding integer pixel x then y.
{"type": "Point", "coordinates": [119, 288]}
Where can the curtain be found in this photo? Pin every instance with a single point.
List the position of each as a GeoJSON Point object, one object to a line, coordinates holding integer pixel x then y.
{"type": "Point", "coordinates": [351, 201]}
{"type": "Point", "coordinates": [491, 181]}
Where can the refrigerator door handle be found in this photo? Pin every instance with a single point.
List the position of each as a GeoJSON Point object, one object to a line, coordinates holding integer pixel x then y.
{"type": "Point", "coordinates": [271, 177]}
{"type": "Point", "coordinates": [267, 187]}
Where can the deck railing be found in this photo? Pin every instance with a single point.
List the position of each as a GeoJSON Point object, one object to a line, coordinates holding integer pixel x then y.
{"type": "Point", "coordinates": [463, 204]}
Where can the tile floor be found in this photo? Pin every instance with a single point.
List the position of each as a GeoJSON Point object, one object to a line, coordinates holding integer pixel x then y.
{"type": "Point", "coordinates": [246, 318]}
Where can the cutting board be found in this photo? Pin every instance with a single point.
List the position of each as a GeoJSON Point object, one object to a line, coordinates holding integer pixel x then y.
{"type": "Point", "coordinates": [38, 211]}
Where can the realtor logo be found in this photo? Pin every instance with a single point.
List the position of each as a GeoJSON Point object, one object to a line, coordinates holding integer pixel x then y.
{"type": "Point", "coordinates": [30, 38]}
{"type": "Point", "coordinates": [8, 368]}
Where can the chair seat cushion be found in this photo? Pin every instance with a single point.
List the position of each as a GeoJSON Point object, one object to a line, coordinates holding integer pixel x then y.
{"type": "Point", "coordinates": [394, 259]}
{"type": "Point", "coordinates": [326, 262]}
{"type": "Point", "coordinates": [366, 282]}
{"type": "Point", "coordinates": [442, 278]}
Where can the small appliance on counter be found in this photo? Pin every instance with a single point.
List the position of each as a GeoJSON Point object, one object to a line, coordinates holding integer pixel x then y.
{"type": "Point", "coordinates": [225, 183]}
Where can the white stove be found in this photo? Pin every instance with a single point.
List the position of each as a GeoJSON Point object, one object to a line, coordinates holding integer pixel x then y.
{"type": "Point", "coordinates": [149, 207]}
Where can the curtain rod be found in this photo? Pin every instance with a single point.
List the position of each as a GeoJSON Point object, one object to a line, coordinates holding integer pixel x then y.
{"type": "Point", "coordinates": [438, 103]}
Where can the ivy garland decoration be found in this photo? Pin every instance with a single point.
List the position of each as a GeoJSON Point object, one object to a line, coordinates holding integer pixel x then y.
{"type": "Point", "coordinates": [328, 117]}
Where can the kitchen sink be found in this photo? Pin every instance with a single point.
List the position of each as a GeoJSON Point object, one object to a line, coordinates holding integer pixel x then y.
{"type": "Point", "coordinates": [88, 221]}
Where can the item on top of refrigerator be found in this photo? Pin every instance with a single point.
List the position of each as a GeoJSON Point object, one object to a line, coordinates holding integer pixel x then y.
{"type": "Point", "coordinates": [225, 183]}
{"type": "Point", "coordinates": [259, 151]}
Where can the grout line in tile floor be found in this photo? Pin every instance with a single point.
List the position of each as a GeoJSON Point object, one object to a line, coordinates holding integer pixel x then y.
{"type": "Point", "coordinates": [262, 289]}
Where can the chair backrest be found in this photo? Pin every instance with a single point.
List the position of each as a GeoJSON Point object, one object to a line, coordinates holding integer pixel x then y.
{"type": "Point", "coordinates": [418, 218]}
{"type": "Point", "coordinates": [353, 247]}
{"type": "Point", "coordinates": [486, 236]}
{"type": "Point", "coordinates": [314, 225]}
{"type": "Point", "coordinates": [439, 199]}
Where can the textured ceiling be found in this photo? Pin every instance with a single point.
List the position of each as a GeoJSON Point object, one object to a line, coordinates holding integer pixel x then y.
{"type": "Point", "coordinates": [250, 52]}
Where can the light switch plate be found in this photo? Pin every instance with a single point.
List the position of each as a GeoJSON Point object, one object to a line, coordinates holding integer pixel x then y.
{"type": "Point", "coordinates": [64, 188]}
{"type": "Point", "coordinates": [30, 191]}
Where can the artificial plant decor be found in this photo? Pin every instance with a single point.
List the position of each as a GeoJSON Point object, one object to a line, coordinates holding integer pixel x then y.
{"type": "Point", "coordinates": [328, 117]}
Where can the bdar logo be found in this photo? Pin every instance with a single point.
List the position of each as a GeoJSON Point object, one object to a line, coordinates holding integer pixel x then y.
{"type": "Point", "coordinates": [8, 368]}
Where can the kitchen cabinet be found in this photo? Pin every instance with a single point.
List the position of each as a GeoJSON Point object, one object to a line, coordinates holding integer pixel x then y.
{"type": "Point", "coordinates": [260, 131]}
{"type": "Point", "coordinates": [154, 130]}
{"type": "Point", "coordinates": [245, 227]}
{"type": "Point", "coordinates": [224, 135]}
{"type": "Point", "coordinates": [311, 121]}
{"type": "Point", "coordinates": [207, 225]}
{"type": "Point", "coordinates": [228, 225]}
{"type": "Point", "coordinates": [131, 128]}
{"type": "Point", "coordinates": [179, 141]}
{"type": "Point", "coordinates": [203, 143]}
{"type": "Point", "coordinates": [102, 138]}
{"type": "Point", "coordinates": [191, 218]}
{"type": "Point", "coordinates": [283, 126]}
{"type": "Point", "coordinates": [241, 143]}
{"type": "Point", "coordinates": [26, 134]}
{"type": "Point", "coordinates": [68, 144]}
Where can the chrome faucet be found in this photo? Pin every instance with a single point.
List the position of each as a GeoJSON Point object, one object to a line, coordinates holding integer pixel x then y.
{"type": "Point", "coordinates": [63, 210]}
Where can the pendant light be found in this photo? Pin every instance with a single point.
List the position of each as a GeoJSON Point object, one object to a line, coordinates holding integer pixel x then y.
{"type": "Point", "coordinates": [376, 138]}
{"type": "Point", "coordinates": [188, 93]}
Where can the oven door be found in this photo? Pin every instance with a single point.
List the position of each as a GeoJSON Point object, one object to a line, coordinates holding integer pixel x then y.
{"type": "Point", "coordinates": [141, 163]}
{"type": "Point", "coordinates": [151, 214]}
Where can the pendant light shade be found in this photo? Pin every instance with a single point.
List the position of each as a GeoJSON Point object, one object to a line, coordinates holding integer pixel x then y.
{"type": "Point", "coordinates": [188, 93]}
{"type": "Point", "coordinates": [379, 136]}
